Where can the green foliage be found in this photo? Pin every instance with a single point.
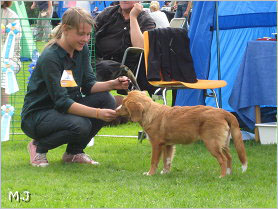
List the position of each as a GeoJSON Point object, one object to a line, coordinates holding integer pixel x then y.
{"type": "Point", "coordinates": [118, 181]}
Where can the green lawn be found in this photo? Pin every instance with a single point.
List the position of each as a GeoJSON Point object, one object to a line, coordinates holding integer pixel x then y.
{"type": "Point", "coordinates": [118, 182]}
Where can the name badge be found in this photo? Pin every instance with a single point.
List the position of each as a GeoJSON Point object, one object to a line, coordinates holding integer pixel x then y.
{"type": "Point", "coordinates": [67, 79]}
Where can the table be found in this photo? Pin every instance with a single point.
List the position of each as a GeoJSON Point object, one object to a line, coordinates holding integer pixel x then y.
{"type": "Point", "coordinates": [256, 82]}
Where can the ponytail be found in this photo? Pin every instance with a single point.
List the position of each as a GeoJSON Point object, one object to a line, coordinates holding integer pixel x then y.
{"type": "Point", "coordinates": [55, 35]}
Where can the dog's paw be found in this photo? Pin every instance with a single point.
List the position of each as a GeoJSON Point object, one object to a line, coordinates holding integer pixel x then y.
{"type": "Point", "coordinates": [244, 168]}
{"type": "Point", "coordinates": [164, 171]}
{"type": "Point", "coordinates": [229, 171]}
{"type": "Point", "coordinates": [146, 174]}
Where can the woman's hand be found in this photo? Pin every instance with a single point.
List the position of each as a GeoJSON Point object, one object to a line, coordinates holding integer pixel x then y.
{"type": "Point", "coordinates": [106, 114]}
{"type": "Point", "coordinates": [121, 82]}
{"type": "Point", "coordinates": [118, 83]}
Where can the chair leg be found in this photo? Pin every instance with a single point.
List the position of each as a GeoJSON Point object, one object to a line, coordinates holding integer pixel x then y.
{"type": "Point", "coordinates": [215, 97]}
{"type": "Point", "coordinates": [213, 94]}
{"type": "Point", "coordinates": [138, 66]}
{"type": "Point", "coordinates": [141, 136]}
{"type": "Point", "coordinates": [164, 93]}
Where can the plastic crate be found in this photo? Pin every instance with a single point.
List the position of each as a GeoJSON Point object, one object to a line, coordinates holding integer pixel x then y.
{"type": "Point", "coordinates": [267, 132]}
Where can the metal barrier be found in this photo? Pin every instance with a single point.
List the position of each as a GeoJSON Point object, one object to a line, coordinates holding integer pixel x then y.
{"type": "Point", "coordinates": [29, 45]}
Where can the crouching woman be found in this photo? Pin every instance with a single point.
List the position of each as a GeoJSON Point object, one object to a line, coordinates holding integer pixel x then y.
{"type": "Point", "coordinates": [64, 103]}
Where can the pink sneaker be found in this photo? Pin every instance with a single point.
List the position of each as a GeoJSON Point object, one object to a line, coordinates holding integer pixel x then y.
{"type": "Point", "coordinates": [78, 158]}
{"type": "Point", "coordinates": [36, 159]}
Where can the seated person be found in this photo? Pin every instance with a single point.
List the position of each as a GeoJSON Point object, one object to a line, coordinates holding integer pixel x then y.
{"type": "Point", "coordinates": [159, 17]}
{"type": "Point", "coordinates": [119, 27]}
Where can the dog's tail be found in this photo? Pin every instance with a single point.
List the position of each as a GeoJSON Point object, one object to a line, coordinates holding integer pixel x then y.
{"type": "Point", "coordinates": [237, 138]}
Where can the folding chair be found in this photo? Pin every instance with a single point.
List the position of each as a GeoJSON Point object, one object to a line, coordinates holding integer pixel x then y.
{"type": "Point", "coordinates": [177, 22]}
{"type": "Point", "coordinates": [200, 84]}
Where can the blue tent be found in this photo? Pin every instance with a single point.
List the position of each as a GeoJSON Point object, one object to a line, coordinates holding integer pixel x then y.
{"type": "Point", "coordinates": [238, 23]}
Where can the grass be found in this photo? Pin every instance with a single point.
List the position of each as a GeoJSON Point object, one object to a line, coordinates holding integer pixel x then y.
{"type": "Point", "coordinates": [118, 182]}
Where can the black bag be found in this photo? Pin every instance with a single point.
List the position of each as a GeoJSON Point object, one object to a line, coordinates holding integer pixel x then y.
{"type": "Point", "coordinates": [108, 69]}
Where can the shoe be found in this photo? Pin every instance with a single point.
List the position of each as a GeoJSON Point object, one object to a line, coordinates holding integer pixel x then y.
{"type": "Point", "coordinates": [40, 160]}
{"type": "Point", "coordinates": [78, 158]}
{"type": "Point", "coordinates": [32, 150]}
{"type": "Point", "coordinates": [36, 159]}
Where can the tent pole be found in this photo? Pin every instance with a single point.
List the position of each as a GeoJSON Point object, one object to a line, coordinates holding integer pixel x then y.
{"type": "Point", "coordinates": [218, 52]}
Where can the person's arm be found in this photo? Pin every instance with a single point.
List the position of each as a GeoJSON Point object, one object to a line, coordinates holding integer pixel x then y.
{"type": "Point", "coordinates": [33, 6]}
{"type": "Point", "coordinates": [136, 35]}
{"type": "Point", "coordinates": [118, 83]}
{"type": "Point", "coordinates": [174, 5]}
{"type": "Point", "coordinates": [90, 112]}
{"type": "Point", "coordinates": [102, 114]}
{"type": "Point", "coordinates": [189, 5]}
{"type": "Point", "coordinates": [49, 10]}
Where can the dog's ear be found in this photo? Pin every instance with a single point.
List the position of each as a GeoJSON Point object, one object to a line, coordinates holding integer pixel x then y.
{"type": "Point", "coordinates": [135, 110]}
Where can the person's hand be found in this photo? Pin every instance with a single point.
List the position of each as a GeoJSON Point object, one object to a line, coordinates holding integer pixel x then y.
{"type": "Point", "coordinates": [107, 114]}
{"type": "Point", "coordinates": [136, 10]}
{"type": "Point", "coordinates": [121, 82]}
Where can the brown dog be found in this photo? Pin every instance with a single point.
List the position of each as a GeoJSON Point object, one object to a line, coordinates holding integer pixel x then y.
{"type": "Point", "coordinates": [167, 126]}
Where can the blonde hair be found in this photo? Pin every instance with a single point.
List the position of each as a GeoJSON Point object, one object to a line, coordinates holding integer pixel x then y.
{"type": "Point", "coordinates": [71, 19]}
{"type": "Point", "coordinates": [154, 6]}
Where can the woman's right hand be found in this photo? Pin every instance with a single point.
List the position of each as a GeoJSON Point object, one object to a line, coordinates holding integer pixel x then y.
{"type": "Point", "coordinates": [107, 114]}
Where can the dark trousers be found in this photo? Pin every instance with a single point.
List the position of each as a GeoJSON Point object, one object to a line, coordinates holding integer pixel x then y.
{"type": "Point", "coordinates": [51, 129]}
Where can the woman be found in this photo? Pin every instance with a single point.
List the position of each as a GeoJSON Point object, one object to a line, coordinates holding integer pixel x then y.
{"type": "Point", "coordinates": [64, 104]}
{"type": "Point", "coordinates": [159, 17]}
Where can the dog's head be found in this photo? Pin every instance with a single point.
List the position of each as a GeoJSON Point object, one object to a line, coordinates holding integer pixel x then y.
{"type": "Point", "coordinates": [134, 105]}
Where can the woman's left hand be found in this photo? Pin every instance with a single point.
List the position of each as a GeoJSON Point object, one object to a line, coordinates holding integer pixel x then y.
{"type": "Point", "coordinates": [121, 82]}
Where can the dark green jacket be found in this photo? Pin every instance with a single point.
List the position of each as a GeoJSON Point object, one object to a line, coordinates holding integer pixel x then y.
{"type": "Point", "coordinates": [44, 90]}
